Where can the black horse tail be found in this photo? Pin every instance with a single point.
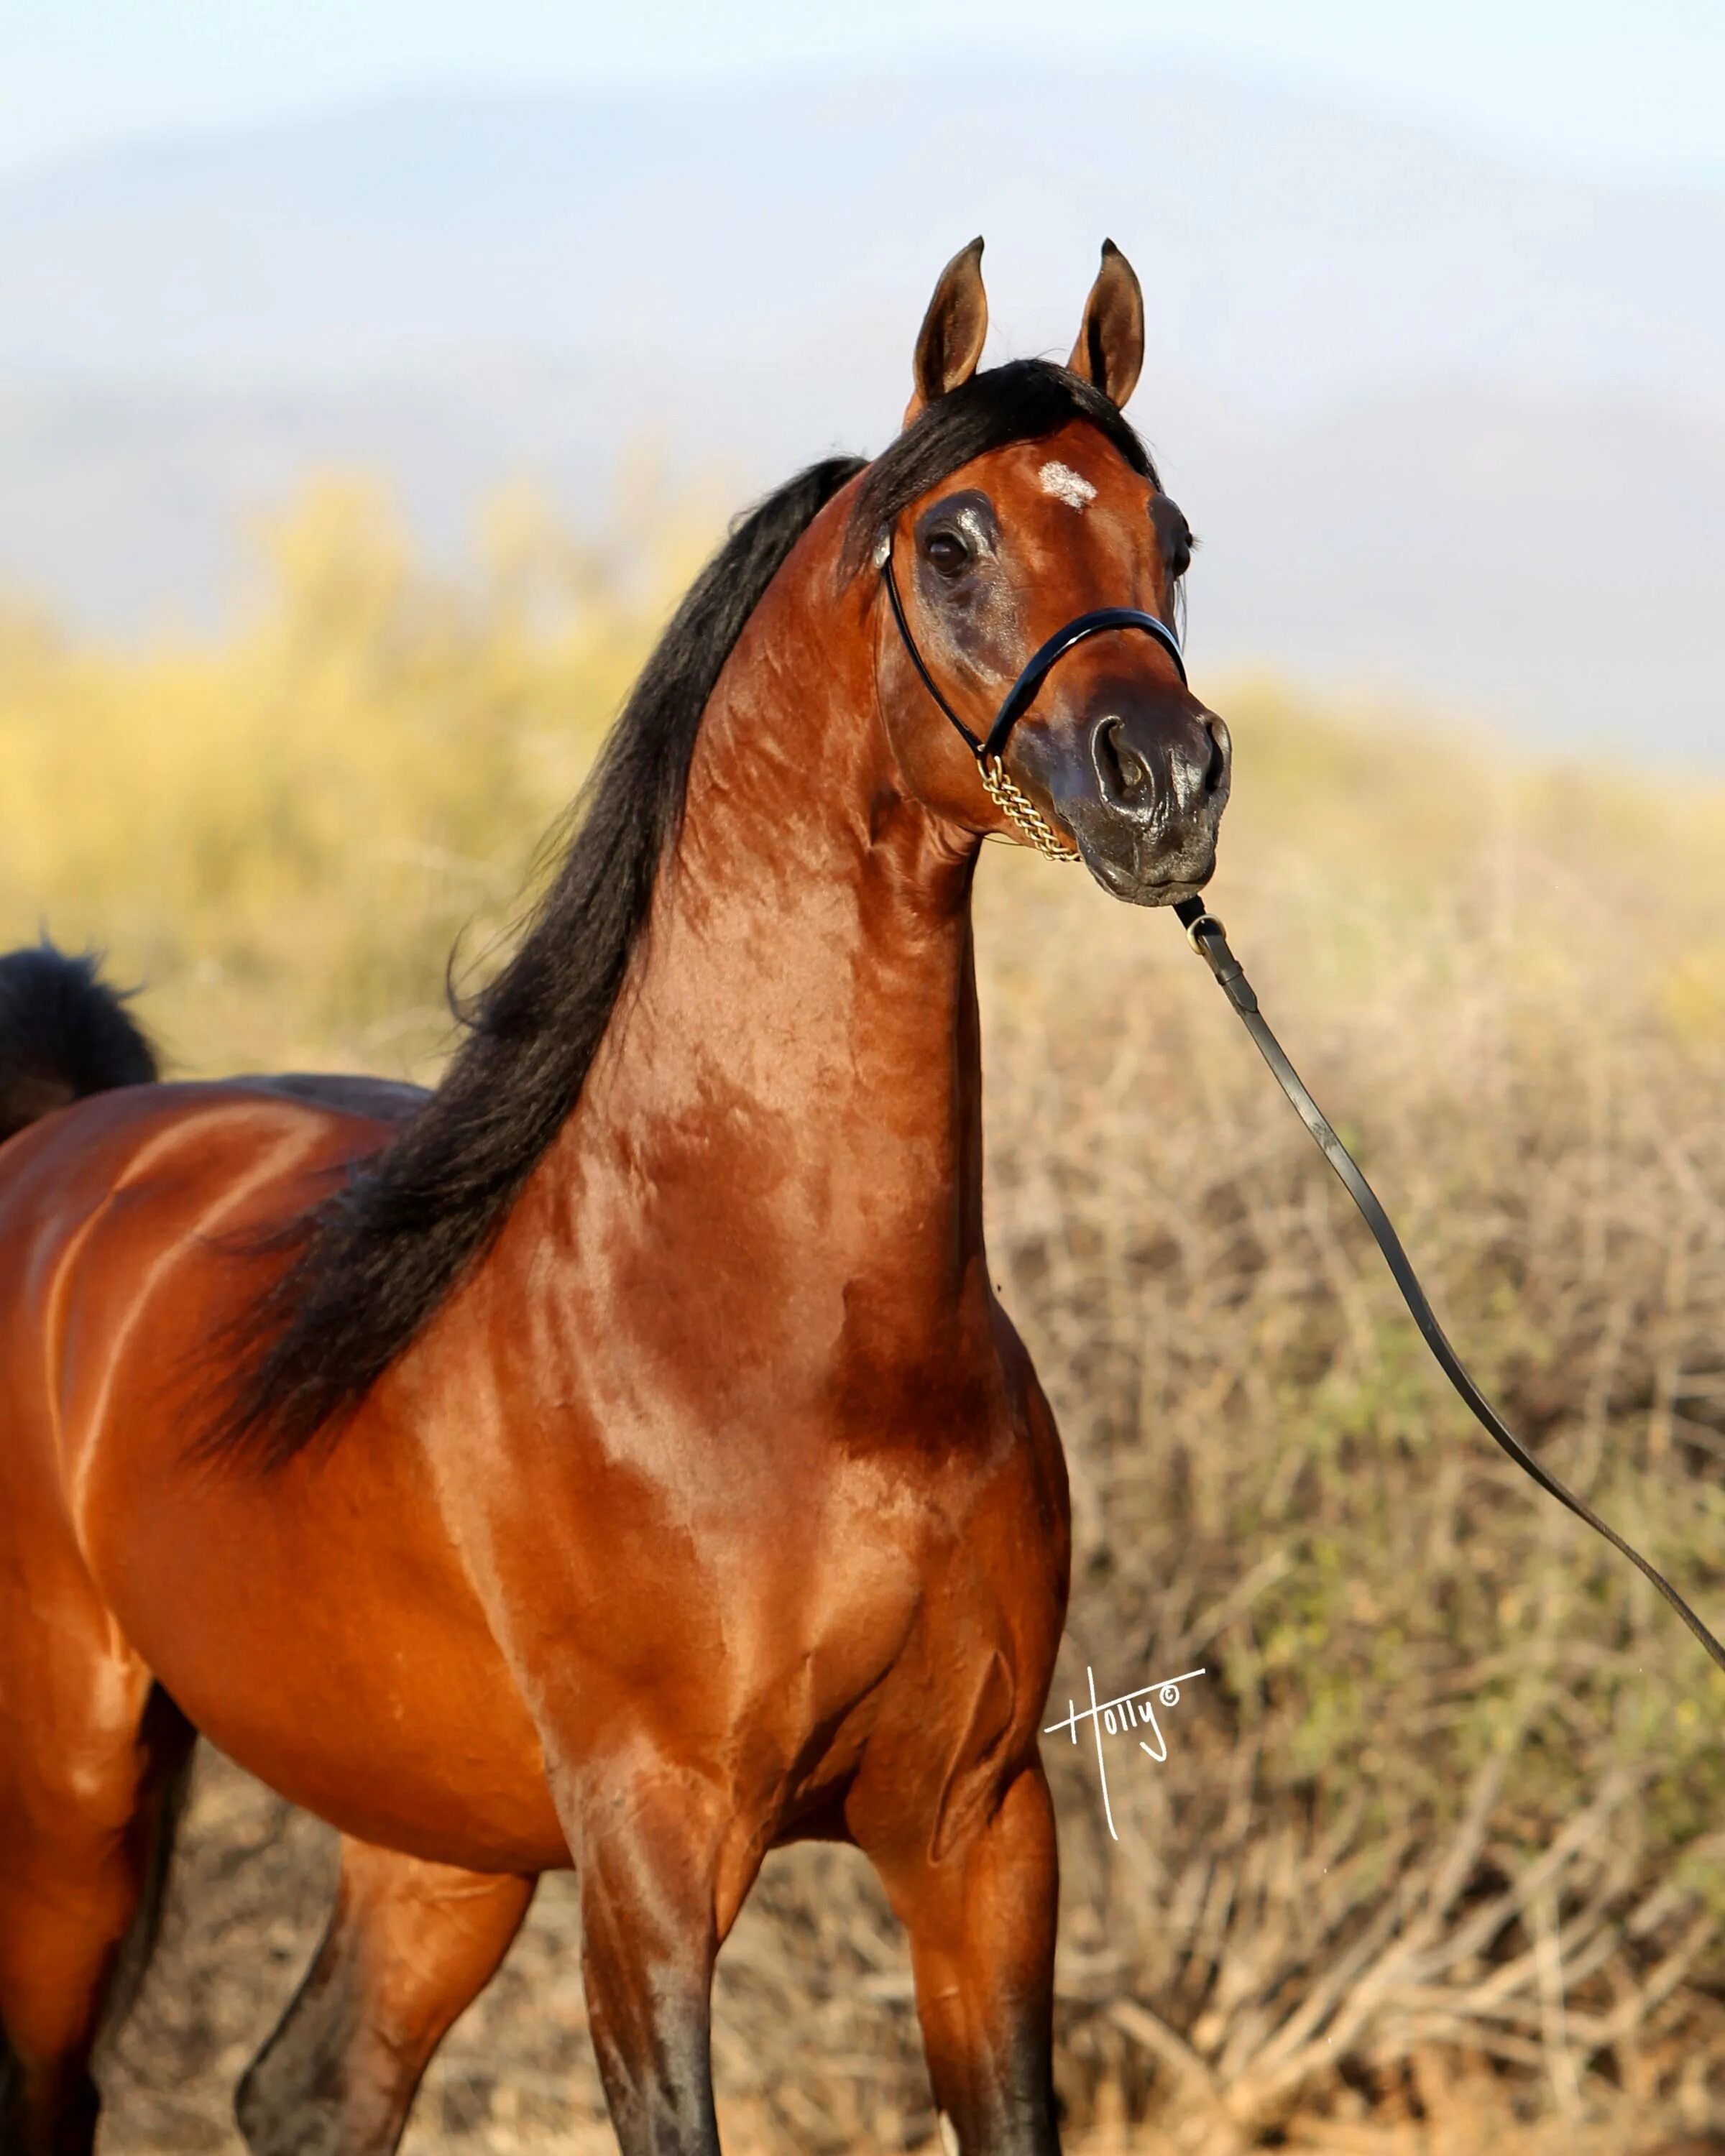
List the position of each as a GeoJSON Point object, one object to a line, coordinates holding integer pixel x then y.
{"type": "Point", "coordinates": [63, 1035]}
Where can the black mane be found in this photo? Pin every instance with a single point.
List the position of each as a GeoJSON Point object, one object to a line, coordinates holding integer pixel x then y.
{"type": "Point", "coordinates": [371, 1265]}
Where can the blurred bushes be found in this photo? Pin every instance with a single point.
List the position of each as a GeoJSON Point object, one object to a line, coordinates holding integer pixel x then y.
{"type": "Point", "coordinates": [1450, 1813]}
{"type": "Point", "coordinates": [284, 835]}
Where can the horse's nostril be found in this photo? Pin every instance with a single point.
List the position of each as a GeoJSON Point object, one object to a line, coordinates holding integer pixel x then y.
{"type": "Point", "coordinates": [1127, 778]}
{"type": "Point", "coordinates": [1221, 748]}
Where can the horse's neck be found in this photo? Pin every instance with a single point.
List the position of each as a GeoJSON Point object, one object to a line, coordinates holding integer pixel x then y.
{"type": "Point", "coordinates": [792, 1076]}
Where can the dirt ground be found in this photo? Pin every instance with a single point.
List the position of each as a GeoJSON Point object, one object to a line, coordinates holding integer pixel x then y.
{"type": "Point", "coordinates": [814, 2044]}
{"type": "Point", "coordinates": [251, 1889]}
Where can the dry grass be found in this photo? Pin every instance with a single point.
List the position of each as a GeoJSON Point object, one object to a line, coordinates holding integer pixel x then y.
{"type": "Point", "coordinates": [1437, 1859]}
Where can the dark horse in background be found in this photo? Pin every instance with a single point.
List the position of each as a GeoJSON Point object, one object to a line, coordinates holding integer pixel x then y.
{"type": "Point", "coordinates": [616, 1458]}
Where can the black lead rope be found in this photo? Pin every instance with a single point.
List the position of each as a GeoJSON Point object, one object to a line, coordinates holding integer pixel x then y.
{"type": "Point", "coordinates": [1209, 938]}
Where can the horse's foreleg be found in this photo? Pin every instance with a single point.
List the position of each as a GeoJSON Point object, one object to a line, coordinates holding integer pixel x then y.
{"type": "Point", "coordinates": [658, 1893]}
{"type": "Point", "coordinates": [981, 1919]}
{"type": "Point", "coordinates": [409, 1946]}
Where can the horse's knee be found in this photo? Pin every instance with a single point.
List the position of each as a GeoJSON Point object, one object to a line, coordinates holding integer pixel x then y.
{"type": "Point", "coordinates": [408, 1946]}
{"type": "Point", "coordinates": [295, 2095]}
{"type": "Point", "coordinates": [982, 1931]}
{"type": "Point", "coordinates": [662, 1874]}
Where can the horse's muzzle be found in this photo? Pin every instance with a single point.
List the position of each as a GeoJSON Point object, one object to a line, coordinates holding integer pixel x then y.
{"type": "Point", "coordinates": [1146, 810]}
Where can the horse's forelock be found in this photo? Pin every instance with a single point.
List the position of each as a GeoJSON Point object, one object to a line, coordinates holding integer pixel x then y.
{"type": "Point", "coordinates": [1022, 401]}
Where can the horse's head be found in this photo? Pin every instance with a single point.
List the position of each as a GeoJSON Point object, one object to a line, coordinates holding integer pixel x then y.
{"type": "Point", "coordinates": [1013, 503]}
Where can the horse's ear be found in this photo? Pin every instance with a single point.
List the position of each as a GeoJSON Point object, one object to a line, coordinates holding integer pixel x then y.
{"type": "Point", "coordinates": [1110, 350]}
{"type": "Point", "coordinates": [950, 342]}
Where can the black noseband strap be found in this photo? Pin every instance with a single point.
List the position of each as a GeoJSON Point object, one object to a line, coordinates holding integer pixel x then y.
{"type": "Point", "coordinates": [1019, 697]}
{"type": "Point", "coordinates": [1076, 631]}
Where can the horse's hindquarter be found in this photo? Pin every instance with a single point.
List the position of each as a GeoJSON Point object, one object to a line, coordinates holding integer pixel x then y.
{"type": "Point", "coordinates": [319, 1624]}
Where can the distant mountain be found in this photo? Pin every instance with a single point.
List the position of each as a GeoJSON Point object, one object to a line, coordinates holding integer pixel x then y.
{"type": "Point", "coordinates": [1295, 247]}
{"type": "Point", "coordinates": [1443, 418]}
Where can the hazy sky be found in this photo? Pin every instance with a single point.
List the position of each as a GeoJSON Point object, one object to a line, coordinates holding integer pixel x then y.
{"type": "Point", "coordinates": [1630, 86]}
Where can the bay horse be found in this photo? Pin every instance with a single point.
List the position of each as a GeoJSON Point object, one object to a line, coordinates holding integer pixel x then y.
{"type": "Point", "coordinates": [616, 1458]}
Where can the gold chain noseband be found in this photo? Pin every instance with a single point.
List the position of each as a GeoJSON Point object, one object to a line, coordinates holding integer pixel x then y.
{"type": "Point", "coordinates": [1011, 799]}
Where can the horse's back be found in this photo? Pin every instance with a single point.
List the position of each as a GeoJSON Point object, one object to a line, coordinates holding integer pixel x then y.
{"type": "Point", "coordinates": [106, 1201]}
{"type": "Point", "coordinates": [98, 1197]}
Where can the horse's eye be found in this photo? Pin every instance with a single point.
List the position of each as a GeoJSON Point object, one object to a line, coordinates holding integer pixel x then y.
{"type": "Point", "coordinates": [1173, 534]}
{"type": "Point", "coordinates": [946, 552]}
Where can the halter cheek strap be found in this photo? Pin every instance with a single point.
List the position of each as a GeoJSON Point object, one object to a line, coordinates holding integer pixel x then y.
{"type": "Point", "coordinates": [1041, 662]}
{"type": "Point", "coordinates": [990, 751]}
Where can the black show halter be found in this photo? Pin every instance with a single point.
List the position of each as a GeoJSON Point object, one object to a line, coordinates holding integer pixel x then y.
{"type": "Point", "coordinates": [990, 750]}
{"type": "Point", "coordinates": [1041, 662]}
{"type": "Point", "coordinates": [1209, 938]}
